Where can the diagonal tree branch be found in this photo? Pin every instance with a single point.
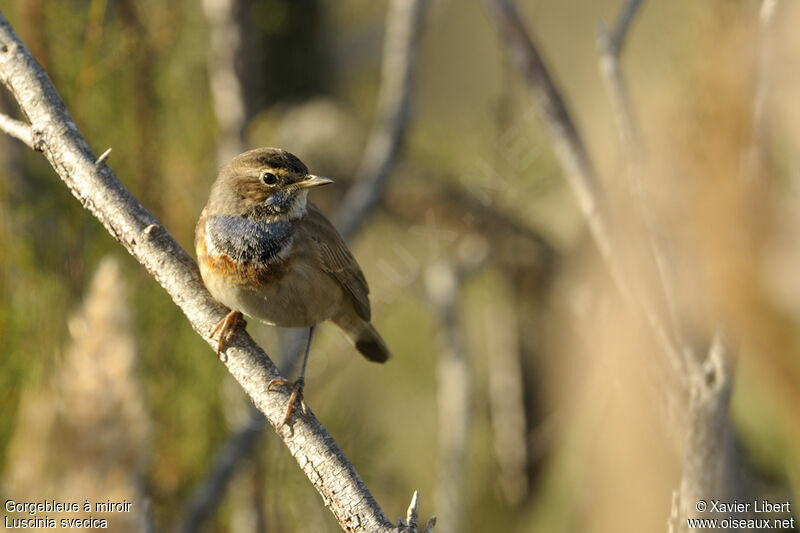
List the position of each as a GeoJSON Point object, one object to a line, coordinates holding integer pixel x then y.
{"type": "Point", "coordinates": [94, 184]}
{"type": "Point", "coordinates": [578, 168]}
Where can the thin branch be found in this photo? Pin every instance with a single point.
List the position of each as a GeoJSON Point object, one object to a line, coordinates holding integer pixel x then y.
{"type": "Point", "coordinates": [506, 396]}
{"type": "Point", "coordinates": [443, 283]}
{"type": "Point", "coordinates": [624, 20]}
{"type": "Point", "coordinates": [610, 46]}
{"type": "Point", "coordinates": [578, 168]}
{"type": "Point", "coordinates": [759, 143]}
{"type": "Point", "coordinates": [400, 50]}
{"type": "Point", "coordinates": [54, 134]}
{"type": "Point", "coordinates": [17, 129]}
{"type": "Point", "coordinates": [206, 498]}
{"type": "Point", "coordinates": [227, 90]}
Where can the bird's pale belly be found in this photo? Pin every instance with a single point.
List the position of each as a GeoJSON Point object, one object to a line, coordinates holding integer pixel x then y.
{"type": "Point", "coordinates": [298, 296]}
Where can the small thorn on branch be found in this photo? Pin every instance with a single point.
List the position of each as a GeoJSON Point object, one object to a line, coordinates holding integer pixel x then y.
{"type": "Point", "coordinates": [412, 514]}
{"type": "Point", "coordinates": [411, 522]}
{"type": "Point", "coordinates": [102, 157]}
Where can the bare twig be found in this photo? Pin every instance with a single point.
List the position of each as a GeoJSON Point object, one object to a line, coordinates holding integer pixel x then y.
{"type": "Point", "coordinates": [610, 46]}
{"type": "Point", "coordinates": [54, 134]}
{"type": "Point", "coordinates": [227, 91]}
{"type": "Point", "coordinates": [206, 498]}
{"type": "Point", "coordinates": [759, 143]}
{"type": "Point", "coordinates": [626, 16]}
{"type": "Point", "coordinates": [453, 376]}
{"type": "Point", "coordinates": [403, 26]}
{"type": "Point", "coordinates": [17, 129]}
{"type": "Point", "coordinates": [578, 168]}
{"type": "Point", "coordinates": [506, 401]}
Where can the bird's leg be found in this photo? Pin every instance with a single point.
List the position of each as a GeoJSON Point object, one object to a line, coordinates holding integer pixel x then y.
{"type": "Point", "coordinates": [225, 328]}
{"type": "Point", "coordinates": [297, 385]}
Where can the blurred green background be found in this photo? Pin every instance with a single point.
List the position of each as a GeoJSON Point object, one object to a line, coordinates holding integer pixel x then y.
{"type": "Point", "coordinates": [477, 176]}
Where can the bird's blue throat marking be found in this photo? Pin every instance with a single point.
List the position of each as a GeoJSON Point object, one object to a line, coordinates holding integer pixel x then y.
{"type": "Point", "coordinates": [244, 239]}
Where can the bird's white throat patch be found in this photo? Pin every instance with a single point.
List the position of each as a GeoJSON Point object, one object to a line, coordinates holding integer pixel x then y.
{"type": "Point", "coordinates": [298, 207]}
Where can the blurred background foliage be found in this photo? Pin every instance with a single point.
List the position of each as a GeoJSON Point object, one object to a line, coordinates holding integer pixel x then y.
{"type": "Point", "coordinates": [477, 177]}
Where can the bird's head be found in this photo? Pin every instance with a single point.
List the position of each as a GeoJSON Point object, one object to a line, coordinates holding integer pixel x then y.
{"type": "Point", "coordinates": [263, 182]}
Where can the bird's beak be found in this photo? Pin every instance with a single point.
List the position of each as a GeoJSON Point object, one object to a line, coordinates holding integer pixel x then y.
{"type": "Point", "coordinates": [312, 181]}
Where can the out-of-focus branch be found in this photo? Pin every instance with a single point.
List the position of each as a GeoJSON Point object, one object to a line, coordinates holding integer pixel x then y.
{"type": "Point", "coordinates": [617, 39]}
{"type": "Point", "coordinates": [56, 136]}
{"type": "Point", "coordinates": [706, 473]}
{"type": "Point", "coordinates": [400, 50]}
{"type": "Point", "coordinates": [227, 91]}
{"type": "Point", "coordinates": [610, 46]}
{"type": "Point", "coordinates": [578, 168]}
{"type": "Point", "coordinates": [515, 248]}
{"type": "Point", "coordinates": [759, 143]}
{"type": "Point", "coordinates": [206, 498]}
{"type": "Point", "coordinates": [442, 284]}
{"type": "Point", "coordinates": [506, 401]}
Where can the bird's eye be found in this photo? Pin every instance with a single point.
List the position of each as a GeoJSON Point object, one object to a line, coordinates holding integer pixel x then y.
{"type": "Point", "coordinates": [269, 178]}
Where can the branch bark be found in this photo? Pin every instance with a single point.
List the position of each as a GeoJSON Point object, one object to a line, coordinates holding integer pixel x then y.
{"type": "Point", "coordinates": [94, 184]}
{"type": "Point", "coordinates": [707, 472]}
{"type": "Point", "coordinates": [578, 168]}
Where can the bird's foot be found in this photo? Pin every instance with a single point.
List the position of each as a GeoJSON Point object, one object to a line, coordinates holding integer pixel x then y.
{"type": "Point", "coordinates": [225, 328]}
{"type": "Point", "coordinates": [297, 395]}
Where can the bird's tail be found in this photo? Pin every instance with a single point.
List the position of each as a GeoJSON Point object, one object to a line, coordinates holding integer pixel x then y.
{"type": "Point", "coordinates": [364, 337]}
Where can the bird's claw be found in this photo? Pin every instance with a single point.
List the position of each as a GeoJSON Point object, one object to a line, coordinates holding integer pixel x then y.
{"type": "Point", "coordinates": [225, 328]}
{"type": "Point", "coordinates": [297, 395]}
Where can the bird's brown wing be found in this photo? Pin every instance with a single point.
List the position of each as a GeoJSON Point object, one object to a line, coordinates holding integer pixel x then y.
{"type": "Point", "coordinates": [336, 259]}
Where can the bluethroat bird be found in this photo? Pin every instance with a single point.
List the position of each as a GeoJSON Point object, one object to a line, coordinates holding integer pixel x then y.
{"type": "Point", "coordinates": [267, 252]}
